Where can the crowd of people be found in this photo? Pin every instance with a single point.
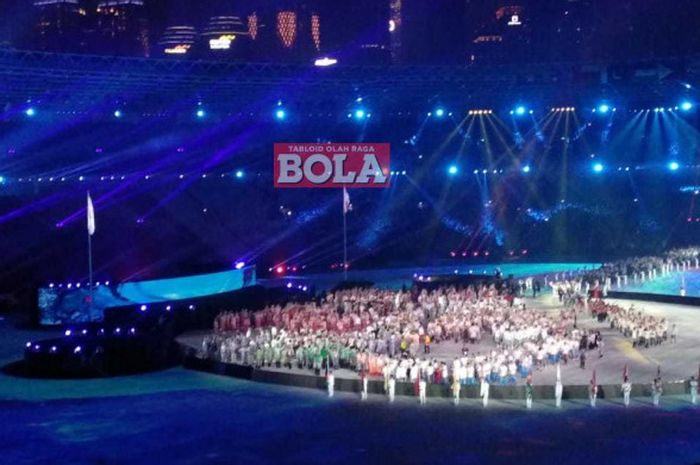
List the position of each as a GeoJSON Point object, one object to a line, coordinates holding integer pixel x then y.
{"type": "Point", "coordinates": [643, 268]}
{"type": "Point", "coordinates": [642, 329]}
{"type": "Point", "coordinates": [390, 334]}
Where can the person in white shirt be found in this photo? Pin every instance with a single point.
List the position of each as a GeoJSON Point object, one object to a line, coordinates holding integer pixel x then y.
{"type": "Point", "coordinates": [626, 390]}
{"type": "Point", "coordinates": [693, 390]}
{"type": "Point", "coordinates": [456, 389]}
{"type": "Point", "coordinates": [484, 392]}
{"type": "Point", "coordinates": [422, 391]}
{"type": "Point", "coordinates": [392, 388]}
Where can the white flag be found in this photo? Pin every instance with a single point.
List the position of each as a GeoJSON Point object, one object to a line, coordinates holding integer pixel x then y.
{"type": "Point", "coordinates": [90, 216]}
{"type": "Point", "coordinates": [347, 206]}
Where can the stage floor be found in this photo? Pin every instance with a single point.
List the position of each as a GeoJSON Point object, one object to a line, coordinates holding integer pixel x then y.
{"type": "Point", "coordinates": [678, 361]}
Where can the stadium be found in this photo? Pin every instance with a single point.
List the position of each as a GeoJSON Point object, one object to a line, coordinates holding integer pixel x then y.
{"type": "Point", "coordinates": [348, 245]}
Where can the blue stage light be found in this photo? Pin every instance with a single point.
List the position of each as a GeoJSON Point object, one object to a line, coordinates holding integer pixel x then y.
{"type": "Point", "coordinates": [439, 112]}
{"type": "Point", "coordinates": [240, 265]}
{"type": "Point", "coordinates": [526, 169]}
{"type": "Point", "coordinates": [201, 113]}
{"type": "Point", "coordinates": [673, 166]}
{"type": "Point", "coordinates": [686, 105]}
{"type": "Point", "coordinates": [360, 114]}
{"type": "Point", "coordinates": [117, 113]}
{"type": "Point", "coordinates": [603, 108]}
{"type": "Point", "coordinates": [280, 114]}
{"type": "Point", "coordinates": [240, 174]}
{"type": "Point", "coordinates": [452, 170]}
{"type": "Point", "coordinates": [598, 167]}
{"type": "Point", "coordinates": [30, 112]}
{"type": "Point", "coordinates": [144, 308]}
{"type": "Point", "coordinates": [519, 110]}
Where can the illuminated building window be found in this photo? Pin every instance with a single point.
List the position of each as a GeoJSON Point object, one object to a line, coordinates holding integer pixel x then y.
{"type": "Point", "coordinates": [253, 26]}
{"type": "Point", "coordinates": [316, 31]}
{"type": "Point", "coordinates": [287, 27]}
{"type": "Point", "coordinates": [481, 39]}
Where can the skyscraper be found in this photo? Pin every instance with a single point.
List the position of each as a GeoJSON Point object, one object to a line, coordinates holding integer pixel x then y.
{"type": "Point", "coordinates": [505, 34]}
{"type": "Point", "coordinates": [58, 25]}
{"type": "Point", "coordinates": [122, 28]}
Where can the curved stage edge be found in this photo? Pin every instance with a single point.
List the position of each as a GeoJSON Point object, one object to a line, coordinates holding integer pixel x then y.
{"type": "Point", "coordinates": [376, 386]}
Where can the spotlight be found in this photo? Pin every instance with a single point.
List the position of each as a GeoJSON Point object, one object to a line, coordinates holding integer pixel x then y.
{"type": "Point", "coordinates": [686, 106]}
{"type": "Point", "coordinates": [239, 174]}
{"type": "Point", "coordinates": [201, 113]}
{"type": "Point", "coordinates": [77, 350]}
{"type": "Point", "coordinates": [144, 308]}
{"type": "Point", "coordinates": [239, 265]}
{"type": "Point", "coordinates": [279, 269]}
{"type": "Point", "coordinates": [30, 112]}
{"type": "Point", "coordinates": [526, 169]}
{"type": "Point", "coordinates": [440, 112]}
{"type": "Point", "coordinates": [280, 114]}
{"type": "Point", "coordinates": [603, 108]}
{"type": "Point", "coordinates": [598, 167]}
{"type": "Point", "coordinates": [673, 166]}
{"type": "Point", "coordinates": [519, 110]}
{"type": "Point", "coordinates": [452, 170]}
{"type": "Point", "coordinates": [325, 61]}
{"type": "Point", "coordinates": [360, 114]}
{"type": "Point", "coordinates": [168, 308]}
{"type": "Point", "coordinates": [117, 113]}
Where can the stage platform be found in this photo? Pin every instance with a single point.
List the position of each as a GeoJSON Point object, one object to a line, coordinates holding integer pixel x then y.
{"type": "Point", "coordinates": [679, 361]}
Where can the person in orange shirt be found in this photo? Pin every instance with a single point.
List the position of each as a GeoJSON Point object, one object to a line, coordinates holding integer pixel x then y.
{"type": "Point", "coordinates": [426, 344]}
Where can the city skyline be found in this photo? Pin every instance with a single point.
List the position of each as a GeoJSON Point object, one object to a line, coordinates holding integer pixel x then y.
{"type": "Point", "coordinates": [364, 32]}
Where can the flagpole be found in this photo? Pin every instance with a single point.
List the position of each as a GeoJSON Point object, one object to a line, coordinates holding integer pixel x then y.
{"type": "Point", "coordinates": [90, 280]}
{"type": "Point", "coordinates": [345, 240]}
{"type": "Point", "coordinates": [90, 269]}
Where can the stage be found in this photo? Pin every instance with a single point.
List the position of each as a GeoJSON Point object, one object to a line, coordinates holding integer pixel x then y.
{"type": "Point", "coordinates": [678, 360]}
